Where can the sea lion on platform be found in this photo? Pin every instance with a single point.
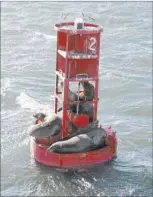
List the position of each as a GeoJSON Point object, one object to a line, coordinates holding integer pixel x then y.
{"type": "Point", "coordinates": [50, 127]}
{"type": "Point", "coordinates": [81, 130]}
{"type": "Point", "coordinates": [40, 117]}
{"type": "Point", "coordinates": [83, 108]}
{"type": "Point", "coordinates": [88, 109]}
{"type": "Point", "coordinates": [71, 97]}
{"type": "Point", "coordinates": [80, 143]}
{"type": "Point", "coordinates": [76, 144]}
{"type": "Point", "coordinates": [88, 90]}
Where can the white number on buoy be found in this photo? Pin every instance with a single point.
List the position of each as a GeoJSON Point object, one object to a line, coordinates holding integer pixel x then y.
{"type": "Point", "coordinates": [92, 44]}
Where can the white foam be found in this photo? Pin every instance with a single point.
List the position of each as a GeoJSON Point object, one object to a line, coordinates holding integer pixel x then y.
{"type": "Point", "coordinates": [39, 36]}
{"type": "Point", "coordinates": [5, 85]}
{"type": "Point", "coordinates": [84, 183]}
{"type": "Point", "coordinates": [27, 102]}
{"type": "Point", "coordinates": [25, 142]}
{"type": "Point", "coordinates": [45, 35]}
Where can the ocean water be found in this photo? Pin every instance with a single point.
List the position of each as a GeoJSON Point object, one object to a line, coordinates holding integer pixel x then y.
{"type": "Point", "coordinates": [28, 43]}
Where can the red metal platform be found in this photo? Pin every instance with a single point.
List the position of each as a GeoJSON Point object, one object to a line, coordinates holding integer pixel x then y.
{"type": "Point", "coordinates": [74, 160]}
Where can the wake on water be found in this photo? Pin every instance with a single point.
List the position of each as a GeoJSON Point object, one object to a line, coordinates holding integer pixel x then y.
{"type": "Point", "coordinates": [41, 36]}
{"type": "Point", "coordinates": [27, 102]}
{"type": "Point", "coordinates": [46, 36]}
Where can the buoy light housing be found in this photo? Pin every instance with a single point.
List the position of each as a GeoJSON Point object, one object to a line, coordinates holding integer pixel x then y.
{"type": "Point", "coordinates": [78, 23]}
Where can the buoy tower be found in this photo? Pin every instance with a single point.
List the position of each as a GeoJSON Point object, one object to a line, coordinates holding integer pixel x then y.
{"type": "Point", "coordinates": [77, 59]}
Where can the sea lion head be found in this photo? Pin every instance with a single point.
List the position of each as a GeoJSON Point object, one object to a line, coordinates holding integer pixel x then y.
{"type": "Point", "coordinates": [84, 83]}
{"type": "Point", "coordinates": [56, 147]}
{"type": "Point", "coordinates": [40, 116]}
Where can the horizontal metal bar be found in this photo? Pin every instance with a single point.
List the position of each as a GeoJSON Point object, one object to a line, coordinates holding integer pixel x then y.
{"type": "Point", "coordinates": [77, 102]}
{"type": "Point", "coordinates": [58, 92]}
{"type": "Point", "coordinates": [70, 55]}
{"type": "Point", "coordinates": [83, 79]}
{"type": "Point", "coordinates": [76, 79]}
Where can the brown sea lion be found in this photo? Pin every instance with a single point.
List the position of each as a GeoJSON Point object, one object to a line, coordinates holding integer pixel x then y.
{"type": "Point", "coordinates": [88, 90]}
{"type": "Point", "coordinates": [84, 108]}
{"type": "Point", "coordinates": [40, 117]}
{"type": "Point", "coordinates": [88, 109]}
{"type": "Point", "coordinates": [50, 127]}
{"type": "Point", "coordinates": [80, 143]}
{"type": "Point", "coordinates": [72, 96]}
{"type": "Point", "coordinates": [77, 131]}
{"type": "Point", "coordinates": [76, 144]}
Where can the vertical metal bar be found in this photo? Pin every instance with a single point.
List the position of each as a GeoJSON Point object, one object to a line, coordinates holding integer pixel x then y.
{"type": "Point", "coordinates": [56, 83]}
{"type": "Point", "coordinates": [96, 97]}
{"type": "Point", "coordinates": [56, 100]}
{"type": "Point", "coordinates": [97, 81]}
{"type": "Point", "coordinates": [66, 58]}
{"type": "Point", "coordinates": [65, 99]}
{"type": "Point", "coordinates": [66, 90]}
{"type": "Point", "coordinates": [78, 98]}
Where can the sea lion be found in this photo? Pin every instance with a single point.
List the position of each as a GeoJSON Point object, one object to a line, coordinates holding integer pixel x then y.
{"type": "Point", "coordinates": [40, 117]}
{"type": "Point", "coordinates": [72, 96]}
{"type": "Point", "coordinates": [80, 143]}
{"type": "Point", "coordinates": [76, 144]}
{"type": "Point", "coordinates": [88, 90]}
{"type": "Point", "coordinates": [83, 108]}
{"type": "Point", "coordinates": [86, 108]}
{"type": "Point", "coordinates": [50, 127]}
{"type": "Point", "coordinates": [98, 136]}
{"type": "Point", "coordinates": [77, 131]}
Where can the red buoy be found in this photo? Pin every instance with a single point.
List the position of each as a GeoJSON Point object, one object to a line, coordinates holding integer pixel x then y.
{"type": "Point", "coordinates": [77, 60]}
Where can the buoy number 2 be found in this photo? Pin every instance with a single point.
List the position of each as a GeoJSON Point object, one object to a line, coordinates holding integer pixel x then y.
{"type": "Point", "coordinates": [92, 44]}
